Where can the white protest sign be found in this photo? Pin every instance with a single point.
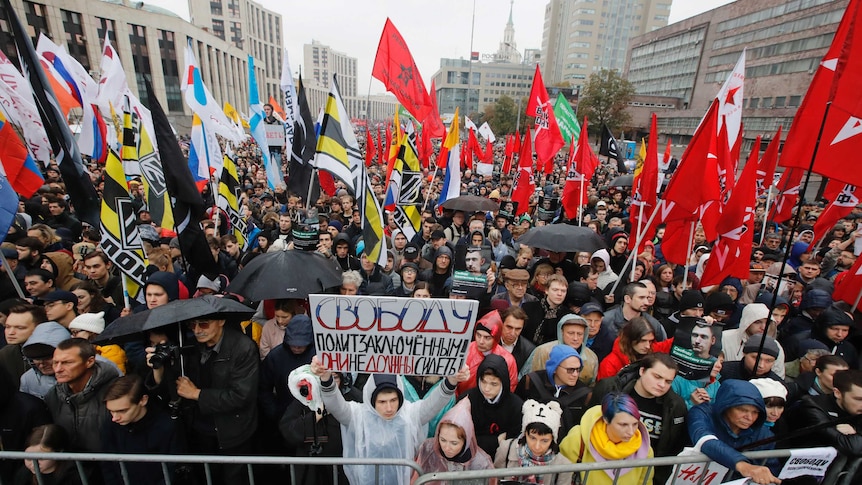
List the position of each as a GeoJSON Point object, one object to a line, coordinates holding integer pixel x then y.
{"type": "Point", "coordinates": [388, 335]}
{"type": "Point", "coordinates": [275, 135]}
{"type": "Point", "coordinates": [699, 474]}
{"type": "Point", "coordinates": [808, 461]}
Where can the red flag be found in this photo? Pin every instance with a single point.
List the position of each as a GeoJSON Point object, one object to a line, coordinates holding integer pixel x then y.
{"type": "Point", "coordinates": [683, 202]}
{"type": "Point", "coordinates": [848, 284]}
{"type": "Point", "coordinates": [425, 150]}
{"type": "Point", "coordinates": [395, 68]}
{"type": "Point", "coordinates": [465, 148]}
{"type": "Point", "coordinates": [731, 254]}
{"type": "Point", "coordinates": [510, 153]}
{"type": "Point", "coordinates": [843, 198]}
{"type": "Point", "coordinates": [582, 165]}
{"type": "Point", "coordinates": [790, 183]}
{"type": "Point", "coordinates": [369, 147]}
{"type": "Point", "coordinates": [766, 166]}
{"type": "Point", "coordinates": [488, 156]}
{"type": "Point", "coordinates": [645, 187]}
{"type": "Point", "coordinates": [524, 185]}
{"type": "Point", "coordinates": [667, 154]}
{"type": "Point", "coordinates": [327, 183]}
{"type": "Point", "coordinates": [432, 122]}
{"type": "Point", "coordinates": [549, 140]}
{"type": "Point", "coordinates": [836, 80]}
{"type": "Point", "coordinates": [276, 108]}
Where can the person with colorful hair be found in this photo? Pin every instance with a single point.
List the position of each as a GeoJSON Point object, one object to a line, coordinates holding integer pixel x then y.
{"type": "Point", "coordinates": [612, 431]}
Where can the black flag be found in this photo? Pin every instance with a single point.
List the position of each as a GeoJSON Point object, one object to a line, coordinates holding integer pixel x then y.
{"type": "Point", "coordinates": [186, 202]}
{"type": "Point", "coordinates": [610, 148]}
{"type": "Point", "coordinates": [304, 145]}
{"type": "Point", "coordinates": [82, 193]}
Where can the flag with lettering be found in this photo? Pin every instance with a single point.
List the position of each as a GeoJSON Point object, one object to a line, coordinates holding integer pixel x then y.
{"type": "Point", "coordinates": [121, 240]}
{"type": "Point", "coordinates": [548, 140]}
{"type": "Point", "coordinates": [79, 186]}
{"type": "Point", "coordinates": [568, 121]}
{"type": "Point", "coordinates": [395, 68]}
{"type": "Point", "coordinates": [843, 198]}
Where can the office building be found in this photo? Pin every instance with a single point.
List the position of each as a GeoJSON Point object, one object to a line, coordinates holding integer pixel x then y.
{"type": "Point", "coordinates": [581, 37]}
{"type": "Point", "coordinates": [686, 63]}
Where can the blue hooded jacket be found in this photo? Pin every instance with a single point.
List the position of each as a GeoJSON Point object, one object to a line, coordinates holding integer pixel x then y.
{"type": "Point", "coordinates": [708, 419]}
{"type": "Point", "coordinates": [273, 389]}
{"type": "Point", "coordinates": [558, 354]}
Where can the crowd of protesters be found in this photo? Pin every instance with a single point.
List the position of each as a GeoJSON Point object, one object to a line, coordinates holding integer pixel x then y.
{"type": "Point", "coordinates": [570, 362]}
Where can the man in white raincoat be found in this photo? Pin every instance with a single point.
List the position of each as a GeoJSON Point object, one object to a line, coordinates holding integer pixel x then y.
{"type": "Point", "coordinates": [383, 425]}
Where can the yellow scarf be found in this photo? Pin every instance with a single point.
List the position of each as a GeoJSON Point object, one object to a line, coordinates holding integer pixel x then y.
{"type": "Point", "coordinates": [609, 449]}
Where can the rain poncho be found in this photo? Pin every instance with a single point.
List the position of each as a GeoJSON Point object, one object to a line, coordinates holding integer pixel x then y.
{"type": "Point", "coordinates": [365, 434]}
{"type": "Point", "coordinates": [431, 459]}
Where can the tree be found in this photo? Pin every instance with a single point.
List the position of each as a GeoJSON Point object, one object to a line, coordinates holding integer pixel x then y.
{"type": "Point", "coordinates": [605, 99]}
{"type": "Point", "coordinates": [502, 115]}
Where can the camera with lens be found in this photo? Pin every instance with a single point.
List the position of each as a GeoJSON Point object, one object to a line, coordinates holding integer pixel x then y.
{"type": "Point", "coordinates": [164, 355]}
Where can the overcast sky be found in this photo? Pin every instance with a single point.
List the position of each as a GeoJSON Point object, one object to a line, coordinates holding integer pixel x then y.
{"type": "Point", "coordinates": [432, 30]}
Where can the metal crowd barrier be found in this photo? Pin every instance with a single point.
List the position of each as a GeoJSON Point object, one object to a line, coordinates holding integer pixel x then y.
{"type": "Point", "coordinates": [842, 471]}
{"type": "Point", "coordinates": [838, 475]}
{"type": "Point", "coordinates": [205, 460]}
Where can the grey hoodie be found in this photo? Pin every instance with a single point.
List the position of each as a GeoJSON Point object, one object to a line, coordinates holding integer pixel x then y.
{"type": "Point", "coordinates": [47, 336]}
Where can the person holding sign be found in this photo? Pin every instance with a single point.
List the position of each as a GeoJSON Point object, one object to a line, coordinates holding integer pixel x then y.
{"type": "Point", "coordinates": [384, 424]}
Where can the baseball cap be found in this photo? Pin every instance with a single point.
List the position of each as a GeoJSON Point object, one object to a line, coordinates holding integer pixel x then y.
{"type": "Point", "coordinates": [61, 295]}
{"type": "Point", "coordinates": [411, 252]}
{"type": "Point", "coordinates": [591, 307]}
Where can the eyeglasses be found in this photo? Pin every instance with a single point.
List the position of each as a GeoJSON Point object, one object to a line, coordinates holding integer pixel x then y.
{"type": "Point", "coordinates": [571, 370]}
{"type": "Point", "coordinates": [518, 284]}
{"type": "Point", "coordinates": [202, 324]}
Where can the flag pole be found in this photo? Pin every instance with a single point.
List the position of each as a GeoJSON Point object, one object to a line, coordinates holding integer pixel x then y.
{"type": "Point", "coordinates": [11, 276]}
{"type": "Point", "coordinates": [632, 255]}
{"type": "Point", "coordinates": [787, 249]}
{"type": "Point", "coordinates": [688, 254]}
{"type": "Point", "coordinates": [126, 298]}
{"type": "Point", "coordinates": [430, 184]}
{"type": "Point", "coordinates": [580, 203]}
{"type": "Point", "coordinates": [765, 215]}
{"type": "Point", "coordinates": [638, 233]}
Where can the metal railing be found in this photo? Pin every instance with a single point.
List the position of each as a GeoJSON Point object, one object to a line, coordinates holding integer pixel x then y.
{"type": "Point", "coordinates": [205, 460]}
{"type": "Point", "coordinates": [841, 473]}
{"type": "Point", "coordinates": [835, 477]}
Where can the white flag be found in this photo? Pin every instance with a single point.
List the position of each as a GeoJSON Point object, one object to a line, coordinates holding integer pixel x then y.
{"type": "Point", "coordinates": [485, 130]}
{"type": "Point", "coordinates": [468, 124]}
{"type": "Point", "coordinates": [290, 104]}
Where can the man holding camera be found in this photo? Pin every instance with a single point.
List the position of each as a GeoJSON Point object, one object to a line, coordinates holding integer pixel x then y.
{"type": "Point", "coordinates": [218, 391]}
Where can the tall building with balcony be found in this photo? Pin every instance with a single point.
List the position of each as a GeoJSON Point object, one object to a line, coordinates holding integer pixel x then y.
{"type": "Point", "coordinates": [580, 37]}
{"type": "Point", "coordinates": [249, 27]}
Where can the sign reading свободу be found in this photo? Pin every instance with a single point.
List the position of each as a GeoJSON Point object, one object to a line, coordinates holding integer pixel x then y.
{"type": "Point", "coordinates": [388, 335]}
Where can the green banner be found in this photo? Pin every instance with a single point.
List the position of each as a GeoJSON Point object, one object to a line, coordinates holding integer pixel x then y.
{"type": "Point", "coordinates": [567, 120]}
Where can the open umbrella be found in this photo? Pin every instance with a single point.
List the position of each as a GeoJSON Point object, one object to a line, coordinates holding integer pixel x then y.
{"type": "Point", "coordinates": [286, 274]}
{"type": "Point", "coordinates": [174, 312]}
{"type": "Point", "coordinates": [471, 203]}
{"type": "Point", "coordinates": [623, 181]}
{"type": "Point", "coordinates": [563, 238]}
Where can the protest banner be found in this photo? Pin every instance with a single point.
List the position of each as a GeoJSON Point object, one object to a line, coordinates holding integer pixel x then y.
{"type": "Point", "coordinates": [388, 335]}
{"type": "Point", "coordinates": [808, 462]}
{"type": "Point", "coordinates": [275, 135]}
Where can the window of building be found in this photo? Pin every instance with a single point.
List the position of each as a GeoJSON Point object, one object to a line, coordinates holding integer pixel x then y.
{"type": "Point", "coordinates": [170, 68]}
{"type": "Point", "coordinates": [780, 101]}
{"type": "Point", "coordinates": [140, 58]}
{"type": "Point", "coordinates": [766, 103]}
{"type": "Point", "coordinates": [794, 101]}
{"type": "Point", "coordinates": [106, 26]}
{"type": "Point", "coordinates": [753, 103]}
{"type": "Point", "coordinates": [37, 20]}
{"type": "Point", "coordinates": [233, 8]}
{"type": "Point", "coordinates": [75, 42]}
{"type": "Point", "coordinates": [7, 42]}
{"type": "Point", "coordinates": [236, 34]}
{"type": "Point", "coordinates": [216, 8]}
{"type": "Point", "coordinates": [218, 28]}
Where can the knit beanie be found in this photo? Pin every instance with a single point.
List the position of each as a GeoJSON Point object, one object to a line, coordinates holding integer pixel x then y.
{"type": "Point", "coordinates": [770, 388]}
{"type": "Point", "coordinates": [549, 414]}
{"type": "Point", "coordinates": [770, 346]}
{"type": "Point", "coordinates": [89, 322]}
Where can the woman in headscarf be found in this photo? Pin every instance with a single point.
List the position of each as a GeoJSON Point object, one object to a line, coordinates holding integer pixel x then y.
{"type": "Point", "coordinates": [453, 447]}
{"type": "Point", "coordinates": [612, 431]}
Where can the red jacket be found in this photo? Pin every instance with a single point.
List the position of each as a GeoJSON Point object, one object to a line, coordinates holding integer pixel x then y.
{"type": "Point", "coordinates": [492, 323]}
{"type": "Point", "coordinates": [616, 360]}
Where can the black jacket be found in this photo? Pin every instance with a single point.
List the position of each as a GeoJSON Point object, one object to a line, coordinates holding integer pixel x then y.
{"type": "Point", "coordinates": [230, 401]}
{"type": "Point", "coordinates": [537, 328]}
{"type": "Point", "coordinates": [522, 351]}
{"type": "Point", "coordinates": [273, 389]}
{"type": "Point", "coordinates": [573, 400]}
{"type": "Point", "coordinates": [490, 420]}
{"type": "Point", "coordinates": [155, 433]}
{"type": "Point", "coordinates": [737, 370]}
{"type": "Point", "coordinates": [378, 284]}
{"type": "Point", "coordinates": [19, 414]}
{"type": "Point", "coordinates": [821, 410]}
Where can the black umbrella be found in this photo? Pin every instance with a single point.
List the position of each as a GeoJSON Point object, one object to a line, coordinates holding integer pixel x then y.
{"type": "Point", "coordinates": [175, 312]}
{"type": "Point", "coordinates": [471, 203]}
{"type": "Point", "coordinates": [623, 181]}
{"type": "Point", "coordinates": [286, 274]}
{"type": "Point", "coordinates": [563, 238]}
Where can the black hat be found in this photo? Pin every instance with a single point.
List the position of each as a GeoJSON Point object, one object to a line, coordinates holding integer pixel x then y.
{"type": "Point", "coordinates": [408, 265]}
{"type": "Point", "coordinates": [411, 252]}
{"type": "Point", "coordinates": [438, 234]}
{"type": "Point", "coordinates": [690, 299]}
{"type": "Point", "coordinates": [386, 382]}
{"type": "Point", "coordinates": [591, 307]}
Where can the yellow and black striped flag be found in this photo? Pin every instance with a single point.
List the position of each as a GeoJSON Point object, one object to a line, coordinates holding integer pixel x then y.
{"type": "Point", "coordinates": [372, 220]}
{"type": "Point", "coordinates": [228, 200]}
{"type": "Point", "coordinates": [404, 194]}
{"type": "Point", "coordinates": [337, 148]}
{"type": "Point", "coordinates": [121, 240]}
